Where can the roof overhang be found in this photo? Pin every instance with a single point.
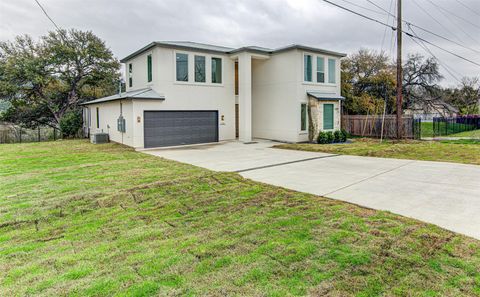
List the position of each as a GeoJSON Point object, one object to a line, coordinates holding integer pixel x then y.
{"type": "Point", "coordinates": [325, 96]}
{"type": "Point", "coordinates": [145, 94]}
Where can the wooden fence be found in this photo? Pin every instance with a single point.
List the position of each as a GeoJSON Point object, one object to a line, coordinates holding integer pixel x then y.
{"type": "Point", "coordinates": [371, 126]}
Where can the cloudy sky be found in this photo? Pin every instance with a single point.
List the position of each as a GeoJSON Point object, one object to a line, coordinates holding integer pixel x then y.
{"type": "Point", "coordinates": [127, 25]}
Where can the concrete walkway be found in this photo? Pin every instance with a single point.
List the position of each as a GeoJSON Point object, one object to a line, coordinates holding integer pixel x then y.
{"type": "Point", "coordinates": [445, 194]}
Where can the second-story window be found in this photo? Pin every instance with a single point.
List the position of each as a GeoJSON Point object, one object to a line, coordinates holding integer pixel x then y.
{"type": "Point", "coordinates": [320, 69]}
{"type": "Point", "coordinates": [307, 68]}
{"type": "Point", "coordinates": [332, 71]}
{"type": "Point", "coordinates": [149, 68]}
{"type": "Point", "coordinates": [217, 70]}
{"type": "Point", "coordinates": [182, 67]}
{"type": "Point", "coordinates": [199, 68]}
{"type": "Point", "coordinates": [130, 75]}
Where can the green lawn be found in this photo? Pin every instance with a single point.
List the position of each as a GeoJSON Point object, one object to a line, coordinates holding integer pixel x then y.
{"type": "Point", "coordinates": [461, 151]}
{"type": "Point", "coordinates": [427, 130]}
{"type": "Point", "coordinates": [99, 220]}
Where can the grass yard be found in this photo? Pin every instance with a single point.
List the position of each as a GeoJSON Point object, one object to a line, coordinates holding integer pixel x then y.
{"type": "Point", "coordinates": [458, 151]}
{"type": "Point", "coordinates": [427, 130]}
{"type": "Point", "coordinates": [83, 220]}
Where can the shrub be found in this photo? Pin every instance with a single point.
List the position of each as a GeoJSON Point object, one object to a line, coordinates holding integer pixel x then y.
{"type": "Point", "coordinates": [330, 137]}
{"type": "Point", "coordinates": [344, 135]}
{"type": "Point", "coordinates": [71, 123]}
{"type": "Point", "coordinates": [322, 138]}
{"type": "Point", "coordinates": [337, 136]}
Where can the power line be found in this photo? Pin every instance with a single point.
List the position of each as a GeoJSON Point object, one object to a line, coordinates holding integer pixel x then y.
{"type": "Point", "coordinates": [454, 14]}
{"type": "Point", "coordinates": [406, 33]}
{"type": "Point", "coordinates": [426, 30]}
{"type": "Point", "coordinates": [388, 20]}
{"type": "Point", "coordinates": [438, 22]}
{"type": "Point", "coordinates": [363, 7]}
{"type": "Point", "coordinates": [45, 12]}
{"type": "Point", "coordinates": [455, 24]}
{"type": "Point", "coordinates": [469, 8]}
{"type": "Point", "coordinates": [444, 65]}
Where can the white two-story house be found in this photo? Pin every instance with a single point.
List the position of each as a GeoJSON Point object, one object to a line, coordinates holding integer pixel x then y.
{"type": "Point", "coordinates": [181, 93]}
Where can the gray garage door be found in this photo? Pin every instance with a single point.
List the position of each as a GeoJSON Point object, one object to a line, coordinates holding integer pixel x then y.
{"type": "Point", "coordinates": [167, 128]}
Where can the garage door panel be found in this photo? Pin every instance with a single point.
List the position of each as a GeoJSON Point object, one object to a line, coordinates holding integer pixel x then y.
{"type": "Point", "coordinates": [167, 128]}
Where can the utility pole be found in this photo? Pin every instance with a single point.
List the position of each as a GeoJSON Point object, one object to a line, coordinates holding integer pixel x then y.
{"type": "Point", "coordinates": [399, 70]}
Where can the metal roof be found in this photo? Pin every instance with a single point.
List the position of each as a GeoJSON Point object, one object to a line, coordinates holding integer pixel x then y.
{"type": "Point", "coordinates": [146, 93]}
{"type": "Point", "coordinates": [325, 96]}
{"type": "Point", "coordinates": [188, 45]}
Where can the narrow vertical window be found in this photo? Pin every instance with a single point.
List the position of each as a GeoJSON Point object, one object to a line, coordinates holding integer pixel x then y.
{"type": "Point", "coordinates": [320, 69]}
{"type": "Point", "coordinates": [331, 71]}
{"type": "Point", "coordinates": [303, 117]}
{"type": "Point", "coordinates": [199, 68]}
{"type": "Point", "coordinates": [307, 65]}
{"type": "Point", "coordinates": [98, 119]}
{"type": "Point", "coordinates": [149, 68]}
{"type": "Point", "coordinates": [217, 70]}
{"type": "Point", "coordinates": [182, 67]}
{"type": "Point", "coordinates": [130, 75]}
{"type": "Point", "coordinates": [327, 116]}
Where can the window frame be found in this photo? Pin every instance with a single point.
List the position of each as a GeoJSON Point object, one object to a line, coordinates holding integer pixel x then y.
{"type": "Point", "coordinates": [149, 68]}
{"type": "Point", "coordinates": [176, 68]}
{"type": "Point", "coordinates": [212, 58]}
{"type": "Point", "coordinates": [98, 117]}
{"type": "Point", "coordinates": [130, 75]}
{"type": "Point", "coordinates": [195, 56]}
{"type": "Point", "coordinates": [305, 72]}
{"type": "Point", "coordinates": [302, 123]}
{"type": "Point", "coordinates": [334, 71]}
{"type": "Point", "coordinates": [317, 71]}
{"type": "Point", "coordinates": [333, 116]}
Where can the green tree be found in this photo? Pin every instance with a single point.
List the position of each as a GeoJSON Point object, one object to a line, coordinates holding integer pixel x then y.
{"type": "Point", "coordinates": [46, 79]}
{"type": "Point", "coordinates": [367, 79]}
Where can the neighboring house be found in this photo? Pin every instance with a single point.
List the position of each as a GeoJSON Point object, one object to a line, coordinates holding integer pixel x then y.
{"type": "Point", "coordinates": [432, 109]}
{"type": "Point", "coordinates": [184, 93]}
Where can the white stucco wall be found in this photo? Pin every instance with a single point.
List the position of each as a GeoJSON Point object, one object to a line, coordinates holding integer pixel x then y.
{"type": "Point", "coordinates": [108, 115]}
{"type": "Point", "coordinates": [184, 95]}
{"type": "Point", "coordinates": [279, 90]}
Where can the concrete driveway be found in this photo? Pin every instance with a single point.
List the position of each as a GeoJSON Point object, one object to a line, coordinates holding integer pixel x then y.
{"type": "Point", "coordinates": [445, 194]}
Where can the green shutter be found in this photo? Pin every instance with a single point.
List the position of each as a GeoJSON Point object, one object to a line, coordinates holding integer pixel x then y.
{"type": "Point", "coordinates": [327, 116]}
{"type": "Point", "coordinates": [149, 67]}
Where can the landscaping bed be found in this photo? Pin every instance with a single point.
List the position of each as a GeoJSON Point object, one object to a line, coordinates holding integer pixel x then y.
{"type": "Point", "coordinates": [100, 220]}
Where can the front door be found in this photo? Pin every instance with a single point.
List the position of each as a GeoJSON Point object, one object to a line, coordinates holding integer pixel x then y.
{"type": "Point", "coordinates": [327, 116]}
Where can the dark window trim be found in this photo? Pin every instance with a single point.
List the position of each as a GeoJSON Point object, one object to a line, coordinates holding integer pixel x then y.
{"type": "Point", "coordinates": [219, 77]}
{"type": "Point", "coordinates": [149, 68]}
{"type": "Point", "coordinates": [130, 75]}
{"type": "Point", "coordinates": [98, 118]}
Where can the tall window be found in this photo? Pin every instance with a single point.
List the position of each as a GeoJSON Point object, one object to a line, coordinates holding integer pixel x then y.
{"type": "Point", "coordinates": [303, 117]}
{"type": "Point", "coordinates": [98, 118]}
{"type": "Point", "coordinates": [130, 75]}
{"type": "Point", "coordinates": [320, 69]}
{"type": "Point", "coordinates": [182, 67]}
{"type": "Point", "coordinates": [217, 70]}
{"type": "Point", "coordinates": [327, 116]}
{"type": "Point", "coordinates": [149, 68]}
{"type": "Point", "coordinates": [199, 68]}
{"type": "Point", "coordinates": [307, 65]}
{"type": "Point", "coordinates": [331, 71]}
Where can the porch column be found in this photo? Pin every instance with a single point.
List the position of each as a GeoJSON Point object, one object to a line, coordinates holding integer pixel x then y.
{"type": "Point", "coordinates": [245, 97]}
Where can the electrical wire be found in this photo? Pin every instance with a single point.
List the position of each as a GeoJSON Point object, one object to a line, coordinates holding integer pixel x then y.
{"type": "Point", "coordinates": [426, 30]}
{"type": "Point", "coordinates": [468, 8]}
{"type": "Point", "coordinates": [454, 14]}
{"type": "Point", "coordinates": [46, 14]}
{"type": "Point", "coordinates": [406, 33]}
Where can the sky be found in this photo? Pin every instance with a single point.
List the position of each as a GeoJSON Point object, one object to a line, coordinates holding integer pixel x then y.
{"type": "Point", "coordinates": [127, 25]}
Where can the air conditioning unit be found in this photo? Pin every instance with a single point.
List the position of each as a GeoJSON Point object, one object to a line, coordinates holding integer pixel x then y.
{"type": "Point", "coordinates": [97, 138]}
